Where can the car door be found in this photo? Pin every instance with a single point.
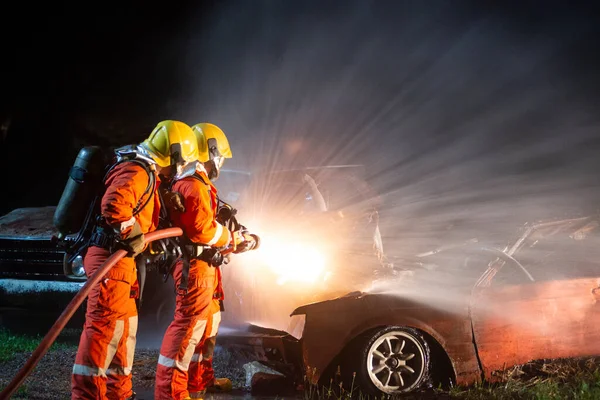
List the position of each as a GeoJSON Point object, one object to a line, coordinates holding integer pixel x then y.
{"type": "Point", "coordinates": [557, 315]}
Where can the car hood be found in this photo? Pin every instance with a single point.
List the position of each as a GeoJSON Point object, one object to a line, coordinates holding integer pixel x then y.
{"type": "Point", "coordinates": [322, 305]}
{"type": "Point", "coordinates": [28, 223]}
{"type": "Point", "coordinates": [358, 300]}
{"type": "Point", "coordinates": [398, 297]}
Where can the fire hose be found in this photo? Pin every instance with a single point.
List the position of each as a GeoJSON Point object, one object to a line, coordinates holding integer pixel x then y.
{"type": "Point", "coordinates": [66, 315]}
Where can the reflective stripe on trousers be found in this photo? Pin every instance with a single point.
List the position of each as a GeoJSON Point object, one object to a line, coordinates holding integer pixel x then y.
{"type": "Point", "coordinates": [201, 373]}
{"type": "Point", "coordinates": [184, 362]}
{"type": "Point", "coordinates": [194, 319]}
{"type": "Point", "coordinates": [102, 368]}
{"type": "Point", "coordinates": [177, 379]}
{"type": "Point", "coordinates": [108, 371]}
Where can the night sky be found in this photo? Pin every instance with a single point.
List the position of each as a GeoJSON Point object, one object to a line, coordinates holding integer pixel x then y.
{"type": "Point", "coordinates": [77, 75]}
{"type": "Point", "coordinates": [437, 99]}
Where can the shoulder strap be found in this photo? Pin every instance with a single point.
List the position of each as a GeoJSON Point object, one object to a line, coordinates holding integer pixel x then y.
{"type": "Point", "coordinates": [182, 288]}
{"type": "Point", "coordinates": [150, 189]}
{"type": "Point", "coordinates": [164, 219]}
{"type": "Point", "coordinates": [195, 175]}
{"type": "Point", "coordinates": [151, 182]}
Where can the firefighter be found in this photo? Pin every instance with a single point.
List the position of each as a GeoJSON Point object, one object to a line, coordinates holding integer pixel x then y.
{"type": "Point", "coordinates": [129, 209]}
{"type": "Point", "coordinates": [184, 368]}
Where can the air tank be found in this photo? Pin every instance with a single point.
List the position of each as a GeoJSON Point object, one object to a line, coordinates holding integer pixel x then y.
{"type": "Point", "coordinates": [84, 182]}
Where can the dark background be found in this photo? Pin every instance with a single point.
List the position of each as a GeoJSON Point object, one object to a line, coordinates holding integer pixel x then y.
{"type": "Point", "coordinates": [81, 74]}
{"type": "Point", "coordinates": [460, 111]}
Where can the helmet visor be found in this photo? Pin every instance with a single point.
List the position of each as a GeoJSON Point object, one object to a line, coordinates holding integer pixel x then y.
{"type": "Point", "coordinates": [219, 161]}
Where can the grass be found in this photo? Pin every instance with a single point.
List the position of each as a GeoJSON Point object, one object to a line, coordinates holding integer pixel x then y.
{"type": "Point", "coordinates": [334, 392]}
{"type": "Point", "coordinates": [12, 344]}
{"type": "Point", "coordinates": [577, 379]}
{"type": "Point", "coordinates": [542, 380]}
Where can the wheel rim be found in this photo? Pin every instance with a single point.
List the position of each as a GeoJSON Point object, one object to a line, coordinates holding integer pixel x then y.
{"type": "Point", "coordinates": [396, 362]}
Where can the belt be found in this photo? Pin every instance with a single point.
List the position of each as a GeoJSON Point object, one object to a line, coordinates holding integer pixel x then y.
{"type": "Point", "coordinates": [208, 254]}
{"type": "Point", "coordinates": [103, 238]}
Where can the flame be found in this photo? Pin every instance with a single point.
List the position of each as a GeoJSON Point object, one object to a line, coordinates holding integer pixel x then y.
{"type": "Point", "coordinates": [292, 261]}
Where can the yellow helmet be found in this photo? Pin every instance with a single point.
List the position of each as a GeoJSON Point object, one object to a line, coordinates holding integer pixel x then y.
{"type": "Point", "coordinates": [172, 142]}
{"type": "Point", "coordinates": [219, 146]}
{"type": "Point", "coordinates": [212, 145]}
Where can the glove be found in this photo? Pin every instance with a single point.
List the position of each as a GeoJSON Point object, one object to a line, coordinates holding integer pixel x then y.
{"type": "Point", "coordinates": [237, 238]}
{"type": "Point", "coordinates": [248, 242]}
{"type": "Point", "coordinates": [174, 201]}
{"type": "Point", "coordinates": [134, 243]}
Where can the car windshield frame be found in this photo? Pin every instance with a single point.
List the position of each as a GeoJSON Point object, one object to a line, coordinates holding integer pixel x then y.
{"type": "Point", "coordinates": [511, 252]}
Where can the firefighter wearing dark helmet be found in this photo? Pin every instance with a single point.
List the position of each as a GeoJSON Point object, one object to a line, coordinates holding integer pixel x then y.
{"type": "Point", "coordinates": [184, 368]}
{"type": "Point", "coordinates": [128, 210]}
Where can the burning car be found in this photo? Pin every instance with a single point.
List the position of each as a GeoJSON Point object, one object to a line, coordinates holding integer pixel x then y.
{"type": "Point", "coordinates": [538, 297]}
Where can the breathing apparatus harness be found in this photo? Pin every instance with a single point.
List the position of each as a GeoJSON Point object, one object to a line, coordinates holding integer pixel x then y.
{"type": "Point", "coordinates": [103, 235]}
{"type": "Point", "coordinates": [94, 230]}
{"type": "Point", "coordinates": [183, 247]}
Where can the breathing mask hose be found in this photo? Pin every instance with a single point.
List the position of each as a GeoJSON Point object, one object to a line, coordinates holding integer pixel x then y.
{"type": "Point", "coordinates": [66, 315]}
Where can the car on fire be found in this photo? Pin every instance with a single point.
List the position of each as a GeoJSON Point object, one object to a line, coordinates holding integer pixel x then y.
{"type": "Point", "coordinates": [484, 310]}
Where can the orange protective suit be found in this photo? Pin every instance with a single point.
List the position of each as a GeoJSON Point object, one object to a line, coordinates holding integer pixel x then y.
{"type": "Point", "coordinates": [104, 358]}
{"type": "Point", "coordinates": [185, 361]}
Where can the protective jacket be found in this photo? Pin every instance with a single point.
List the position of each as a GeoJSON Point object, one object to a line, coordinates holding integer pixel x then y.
{"type": "Point", "coordinates": [185, 361]}
{"type": "Point", "coordinates": [104, 358]}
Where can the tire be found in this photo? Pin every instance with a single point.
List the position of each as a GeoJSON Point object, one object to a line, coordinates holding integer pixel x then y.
{"type": "Point", "coordinates": [392, 360]}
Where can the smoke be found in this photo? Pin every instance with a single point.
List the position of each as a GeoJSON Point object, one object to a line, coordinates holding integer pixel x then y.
{"type": "Point", "coordinates": [469, 121]}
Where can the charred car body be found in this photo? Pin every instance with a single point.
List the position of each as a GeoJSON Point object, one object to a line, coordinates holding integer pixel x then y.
{"type": "Point", "coordinates": [536, 298]}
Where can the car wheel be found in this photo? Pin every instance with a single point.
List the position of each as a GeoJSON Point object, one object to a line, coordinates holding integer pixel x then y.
{"type": "Point", "coordinates": [393, 360]}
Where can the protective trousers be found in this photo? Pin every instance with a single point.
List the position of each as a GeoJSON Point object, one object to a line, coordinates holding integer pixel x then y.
{"type": "Point", "coordinates": [104, 358]}
{"type": "Point", "coordinates": [185, 361]}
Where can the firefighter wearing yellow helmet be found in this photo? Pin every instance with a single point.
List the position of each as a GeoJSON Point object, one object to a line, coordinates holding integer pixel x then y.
{"type": "Point", "coordinates": [172, 143]}
{"type": "Point", "coordinates": [213, 147]}
{"type": "Point", "coordinates": [129, 208]}
{"type": "Point", "coordinates": [184, 369]}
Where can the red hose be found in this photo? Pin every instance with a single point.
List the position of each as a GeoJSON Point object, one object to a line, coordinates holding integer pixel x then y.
{"type": "Point", "coordinates": [72, 307]}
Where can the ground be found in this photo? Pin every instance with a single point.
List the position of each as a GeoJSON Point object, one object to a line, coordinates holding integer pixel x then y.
{"type": "Point", "coordinates": [54, 371]}
{"type": "Point", "coordinates": [557, 379]}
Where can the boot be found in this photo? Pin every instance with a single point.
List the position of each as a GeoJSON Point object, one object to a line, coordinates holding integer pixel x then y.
{"type": "Point", "coordinates": [196, 395]}
{"type": "Point", "coordinates": [220, 385]}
